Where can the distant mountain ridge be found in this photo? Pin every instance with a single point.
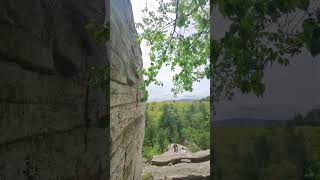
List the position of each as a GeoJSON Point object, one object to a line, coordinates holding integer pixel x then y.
{"type": "Point", "coordinates": [247, 122]}
{"type": "Point", "coordinates": [184, 100]}
{"type": "Point", "coordinates": [311, 118]}
{"type": "Point", "coordinates": [179, 100]}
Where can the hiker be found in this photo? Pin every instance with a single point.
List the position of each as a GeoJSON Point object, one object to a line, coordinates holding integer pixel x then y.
{"type": "Point", "coordinates": [175, 148]}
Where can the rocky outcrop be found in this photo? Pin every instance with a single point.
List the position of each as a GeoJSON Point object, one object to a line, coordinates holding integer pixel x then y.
{"type": "Point", "coordinates": [127, 111]}
{"type": "Point", "coordinates": [183, 154]}
{"type": "Point", "coordinates": [179, 165]}
{"type": "Point", "coordinates": [53, 123]}
{"type": "Point", "coordinates": [183, 171]}
{"type": "Point", "coordinates": [49, 115]}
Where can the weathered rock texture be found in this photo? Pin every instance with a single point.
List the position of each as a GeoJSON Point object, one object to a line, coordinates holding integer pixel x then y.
{"type": "Point", "coordinates": [127, 112]}
{"type": "Point", "coordinates": [182, 171]}
{"type": "Point", "coordinates": [48, 113]}
{"type": "Point", "coordinates": [183, 154]}
{"type": "Point", "coordinates": [179, 165]}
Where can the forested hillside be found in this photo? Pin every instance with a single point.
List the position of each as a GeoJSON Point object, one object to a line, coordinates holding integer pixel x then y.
{"type": "Point", "coordinates": [291, 152]}
{"type": "Point", "coordinates": [285, 150]}
{"type": "Point", "coordinates": [180, 122]}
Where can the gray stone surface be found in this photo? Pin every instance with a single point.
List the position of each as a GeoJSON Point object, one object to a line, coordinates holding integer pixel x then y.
{"type": "Point", "coordinates": [127, 112]}
{"type": "Point", "coordinates": [179, 165]}
{"type": "Point", "coordinates": [195, 171]}
{"type": "Point", "coordinates": [185, 161]}
{"type": "Point", "coordinates": [176, 157]}
{"type": "Point", "coordinates": [48, 113]}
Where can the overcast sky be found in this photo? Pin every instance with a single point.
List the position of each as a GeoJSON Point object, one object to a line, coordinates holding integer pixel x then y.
{"type": "Point", "coordinates": [289, 90]}
{"type": "Point", "coordinates": [158, 93]}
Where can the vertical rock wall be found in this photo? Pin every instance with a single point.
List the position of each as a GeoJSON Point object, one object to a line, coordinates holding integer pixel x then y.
{"type": "Point", "coordinates": [127, 112]}
{"type": "Point", "coordinates": [49, 115]}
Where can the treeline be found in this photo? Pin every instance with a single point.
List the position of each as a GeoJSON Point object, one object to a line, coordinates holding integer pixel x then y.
{"type": "Point", "coordinates": [266, 153]}
{"type": "Point", "coordinates": [184, 123]}
{"type": "Point", "coordinates": [289, 150]}
{"type": "Point", "coordinates": [312, 118]}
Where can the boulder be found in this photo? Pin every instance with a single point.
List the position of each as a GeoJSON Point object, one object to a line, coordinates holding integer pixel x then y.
{"type": "Point", "coordinates": [183, 153]}
{"type": "Point", "coordinates": [179, 165]}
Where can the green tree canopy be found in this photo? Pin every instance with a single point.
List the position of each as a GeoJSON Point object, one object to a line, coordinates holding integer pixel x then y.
{"type": "Point", "coordinates": [177, 33]}
{"type": "Point", "coordinates": [261, 32]}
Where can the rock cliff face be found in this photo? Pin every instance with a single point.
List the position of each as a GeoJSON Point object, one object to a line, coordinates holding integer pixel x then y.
{"type": "Point", "coordinates": [48, 113]}
{"type": "Point", "coordinates": [51, 119]}
{"type": "Point", "coordinates": [127, 112]}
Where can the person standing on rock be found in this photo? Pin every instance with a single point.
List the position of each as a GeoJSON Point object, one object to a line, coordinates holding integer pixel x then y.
{"type": "Point", "coordinates": [175, 148]}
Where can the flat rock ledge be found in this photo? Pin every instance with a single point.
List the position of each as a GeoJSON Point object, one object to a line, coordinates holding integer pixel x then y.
{"type": "Point", "coordinates": [181, 171]}
{"type": "Point", "coordinates": [169, 157]}
{"type": "Point", "coordinates": [183, 165]}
